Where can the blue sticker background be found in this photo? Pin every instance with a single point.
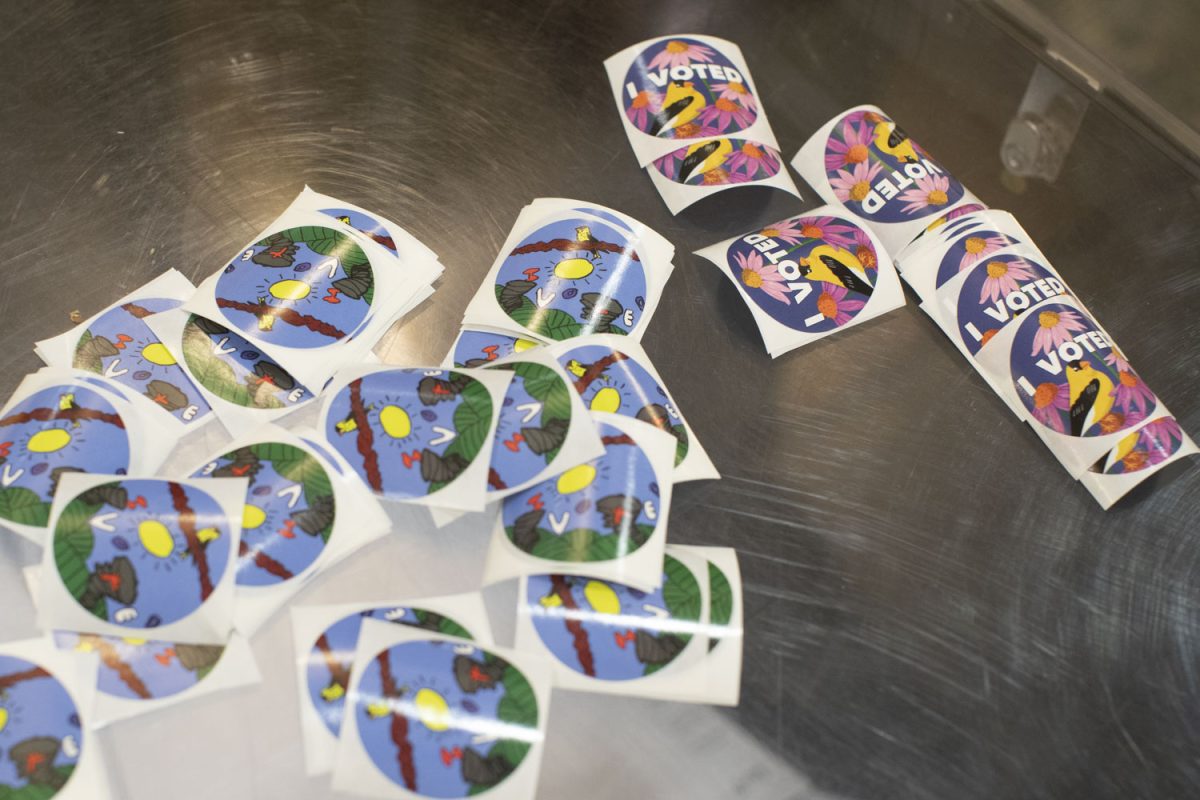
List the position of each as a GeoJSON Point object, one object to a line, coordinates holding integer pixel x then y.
{"type": "Point", "coordinates": [479, 348]}
{"type": "Point", "coordinates": [40, 735]}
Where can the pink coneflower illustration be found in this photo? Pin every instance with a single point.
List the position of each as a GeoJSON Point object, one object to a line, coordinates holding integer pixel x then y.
{"type": "Point", "coordinates": [833, 304]}
{"type": "Point", "coordinates": [1054, 328]}
{"type": "Point", "coordinates": [679, 54]}
{"type": "Point", "coordinates": [854, 147]}
{"type": "Point", "coordinates": [1049, 401]}
{"type": "Point", "coordinates": [976, 248]}
{"type": "Point", "coordinates": [931, 191]}
{"type": "Point", "coordinates": [757, 274]}
{"type": "Point", "coordinates": [855, 184]}
{"type": "Point", "coordinates": [1130, 393]}
{"type": "Point", "coordinates": [1002, 277]}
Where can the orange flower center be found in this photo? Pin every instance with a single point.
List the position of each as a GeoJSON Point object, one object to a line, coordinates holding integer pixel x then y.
{"type": "Point", "coordinates": [751, 150]}
{"type": "Point", "coordinates": [725, 105]}
{"type": "Point", "coordinates": [734, 86]}
{"type": "Point", "coordinates": [752, 278]}
{"type": "Point", "coordinates": [810, 232]}
{"type": "Point", "coordinates": [641, 100]}
{"type": "Point", "coordinates": [677, 47]}
{"type": "Point", "coordinates": [1048, 319]}
{"type": "Point", "coordinates": [975, 245]}
{"type": "Point", "coordinates": [860, 191]}
{"type": "Point", "coordinates": [997, 269]}
{"type": "Point", "coordinates": [856, 154]}
{"type": "Point", "coordinates": [1045, 394]}
{"type": "Point", "coordinates": [866, 256]}
{"type": "Point", "coordinates": [772, 232]}
{"type": "Point", "coordinates": [1112, 422]}
{"type": "Point", "coordinates": [872, 118]}
{"type": "Point", "coordinates": [938, 198]}
{"type": "Point", "coordinates": [687, 130]}
{"type": "Point", "coordinates": [827, 305]}
{"type": "Point", "coordinates": [1135, 459]}
{"type": "Point", "coordinates": [716, 176]}
{"type": "Point", "coordinates": [987, 336]}
{"type": "Point", "coordinates": [1127, 379]}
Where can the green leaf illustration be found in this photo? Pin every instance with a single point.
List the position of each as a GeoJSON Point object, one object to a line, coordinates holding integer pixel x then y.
{"type": "Point", "coordinates": [547, 387]}
{"type": "Point", "coordinates": [580, 544]}
{"type": "Point", "coordinates": [681, 444]}
{"type": "Point", "coordinates": [518, 706]}
{"type": "Point", "coordinates": [452, 628]}
{"type": "Point", "coordinates": [472, 420]}
{"type": "Point", "coordinates": [681, 592]}
{"type": "Point", "coordinates": [73, 545]}
{"type": "Point", "coordinates": [82, 361]}
{"type": "Point", "coordinates": [327, 242]}
{"type": "Point", "coordinates": [555, 324]}
{"type": "Point", "coordinates": [36, 791]}
{"type": "Point", "coordinates": [23, 506]}
{"type": "Point", "coordinates": [720, 601]}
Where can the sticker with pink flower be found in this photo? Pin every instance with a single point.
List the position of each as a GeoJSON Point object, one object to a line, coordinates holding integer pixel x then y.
{"type": "Point", "coordinates": [811, 274]}
{"type": "Point", "coordinates": [1148, 447]}
{"type": "Point", "coordinates": [997, 291]}
{"type": "Point", "coordinates": [967, 251]}
{"type": "Point", "coordinates": [681, 88]}
{"type": "Point", "coordinates": [882, 174]}
{"type": "Point", "coordinates": [720, 162]}
{"type": "Point", "coordinates": [1071, 378]}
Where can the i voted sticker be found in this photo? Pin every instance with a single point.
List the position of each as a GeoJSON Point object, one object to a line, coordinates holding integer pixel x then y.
{"type": "Point", "coordinates": [1148, 447]}
{"type": "Point", "coordinates": [720, 162]}
{"type": "Point", "coordinates": [303, 287]}
{"type": "Point", "coordinates": [999, 290]}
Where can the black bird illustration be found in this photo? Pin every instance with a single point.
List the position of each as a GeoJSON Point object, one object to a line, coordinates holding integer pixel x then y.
{"type": "Point", "coordinates": [115, 579]}
{"type": "Point", "coordinates": [167, 395]}
{"type": "Point", "coordinates": [89, 354]}
{"type": "Point", "coordinates": [441, 469]}
{"type": "Point", "coordinates": [658, 649]}
{"type": "Point", "coordinates": [244, 464]}
{"type": "Point", "coordinates": [525, 529]}
{"type": "Point", "coordinates": [112, 494]}
{"type": "Point", "coordinates": [473, 674]}
{"type": "Point", "coordinates": [208, 326]}
{"type": "Point", "coordinates": [275, 374]}
{"type": "Point", "coordinates": [657, 416]}
{"type": "Point", "coordinates": [317, 517]}
{"type": "Point", "coordinates": [619, 510]}
{"type": "Point", "coordinates": [696, 158]}
{"type": "Point", "coordinates": [600, 311]}
{"type": "Point", "coordinates": [478, 770]}
{"type": "Point", "coordinates": [34, 760]}
{"type": "Point", "coordinates": [428, 620]}
{"type": "Point", "coordinates": [547, 438]}
{"type": "Point", "coordinates": [432, 390]}
{"type": "Point", "coordinates": [513, 292]}
{"type": "Point", "coordinates": [193, 657]}
{"type": "Point", "coordinates": [280, 252]}
{"type": "Point", "coordinates": [57, 473]}
{"type": "Point", "coordinates": [355, 286]}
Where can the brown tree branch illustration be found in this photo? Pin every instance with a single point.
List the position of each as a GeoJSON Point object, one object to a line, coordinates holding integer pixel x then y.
{"type": "Point", "coordinates": [583, 648]}
{"type": "Point", "coordinates": [494, 479]}
{"type": "Point", "coordinates": [187, 524]}
{"type": "Point", "coordinates": [112, 659]}
{"type": "Point", "coordinates": [567, 245]}
{"type": "Point", "coordinates": [13, 678]}
{"type": "Point", "coordinates": [290, 316]}
{"type": "Point", "coordinates": [69, 414]}
{"type": "Point", "coordinates": [134, 310]}
{"type": "Point", "coordinates": [623, 438]}
{"type": "Point", "coordinates": [594, 370]}
{"type": "Point", "coordinates": [404, 748]}
{"type": "Point", "coordinates": [266, 563]}
{"type": "Point", "coordinates": [337, 670]}
{"type": "Point", "coordinates": [365, 438]}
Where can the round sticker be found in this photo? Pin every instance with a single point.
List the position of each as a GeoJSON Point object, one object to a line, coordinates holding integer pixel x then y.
{"type": "Point", "coordinates": [289, 512]}
{"type": "Point", "coordinates": [429, 714]}
{"type": "Point", "coordinates": [120, 345]}
{"type": "Point", "coordinates": [684, 89]}
{"type": "Point", "coordinates": [610, 631]}
{"type": "Point", "coordinates": [1071, 378]}
{"type": "Point", "coordinates": [533, 424]}
{"type": "Point", "coordinates": [812, 274]}
{"type": "Point", "coordinates": [365, 224]}
{"type": "Point", "coordinates": [137, 669]}
{"type": "Point", "coordinates": [40, 735]}
{"type": "Point", "coordinates": [881, 174]}
{"type": "Point", "coordinates": [235, 370]}
{"type": "Point", "coordinates": [301, 287]}
{"type": "Point", "coordinates": [613, 382]}
{"type": "Point", "coordinates": [141, 553]}
{"type": "Point", "coordinates": [56, 430]}
{"type": "Point", "coordinates": [968, 251]}
{"type": "Point", "coordinates": [480, 348]}
{"type": "Point", "coordinates": [997, 291]}
{"type": "Point", "coordinates": [1152, 445]}
{"type": "Point", "coordinates": [573, 277]}
{"type": "Point", "coordinates": [719, 162]}
{"type": "Point", "coordinates": [331, 658]}
{"type": "Point", "coordinates": [720, 601]}
{"type": "Point", "coordinates": [602, 509]}
{"type": "Point", "coordinates": [410, 432]}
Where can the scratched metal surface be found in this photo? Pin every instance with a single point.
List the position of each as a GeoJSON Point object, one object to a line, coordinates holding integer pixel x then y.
{"type": "Point", "coordinates": [934, 610]}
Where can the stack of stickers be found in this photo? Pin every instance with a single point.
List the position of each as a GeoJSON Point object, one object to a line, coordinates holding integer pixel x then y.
{"type": "Point", "coordinates": [693, 118]}
{"type": "Point", "coordinates": [995, 294]}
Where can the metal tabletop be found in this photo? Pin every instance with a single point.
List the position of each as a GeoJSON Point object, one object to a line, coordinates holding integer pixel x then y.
{"type": "Point", "coordinates": [934, 609]}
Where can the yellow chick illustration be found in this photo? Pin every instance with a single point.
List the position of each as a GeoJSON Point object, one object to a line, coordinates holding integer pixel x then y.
{"type": "Point", "coordinates": [575, 368]}
{"type": "Point", "coordinates": [333, 692]}
{"type": "Point", "coordinates": [349, 425]}
{"type": "Point", "coordinates": [379, 709]}
{"type": "Point", "coordinates": [206, 535]}
{"type": "Point", "coordinates": [837, 266]}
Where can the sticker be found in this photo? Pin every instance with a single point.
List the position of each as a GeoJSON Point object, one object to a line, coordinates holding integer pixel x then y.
{"type": "Point", "coordinates": [809, 273]}
{"type": "Point", "coordinates": [331, 659]}
{"type": "Point", "coordinates": [720, 162]}
{"type": "Point", "coordinates": [235, 370]}
{"type": "Point", "coordinates": [609, 631]}
{"type": "Point", "coordinates": [572, 277]}
{"type": "Point", "coordinates": [969, 251]}
{"type": "Point", "coordinates": [123, 549]}
{"type": "Point", "coordinates": [1071, 378]}
{"type": "Point", "coordinates": [600, 510]}
{"type": "Point", "coordinates": [289, 512]}
{"type": "Point", "coordinates": [476, 348]}
{"type": "Point", "coordinates": [999, 290]}
{"type": "Point", "coordinates": [40, 731]}
{"type": "Point", "coordinates": [51, 432]}
{"type": "Point", "coordinates": [1153, 444]}
{"type": "Point", "coordinates": [119, 345]}
{"type": "Point", "coordinates": [410, 432]}
{"type": "Point", "coordinates": [137, 669]}
{"type": "Point", "coordinates": [428, 715]}
{"type": "Point", "coordinates": [303, 287]}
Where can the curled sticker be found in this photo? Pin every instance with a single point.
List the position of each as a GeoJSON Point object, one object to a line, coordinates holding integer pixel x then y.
{"type": "Point", "coordinates": [40, 731]}
{"type": "Point", "coordinates": [720, 162]}
{"type": "Point", "coordinates": [140, 669]}
{"type": "Point", "coordinates": [999, 290]}
{"type": "Point", "coordinates": [235, 370]}
{"type": "Point", "coordinates": [1156, 442]}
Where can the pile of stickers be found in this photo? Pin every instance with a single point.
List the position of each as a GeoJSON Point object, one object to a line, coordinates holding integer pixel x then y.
{"type": "Point", "coordinates": [549, 417]}
{"type": "Point", "coordinates": [997, 296]}
{"type": "Point", "coordinates": [693, 118]}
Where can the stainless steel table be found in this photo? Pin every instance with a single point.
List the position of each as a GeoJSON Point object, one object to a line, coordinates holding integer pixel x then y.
{"type": "Point", "coordinates": [933, 608]}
